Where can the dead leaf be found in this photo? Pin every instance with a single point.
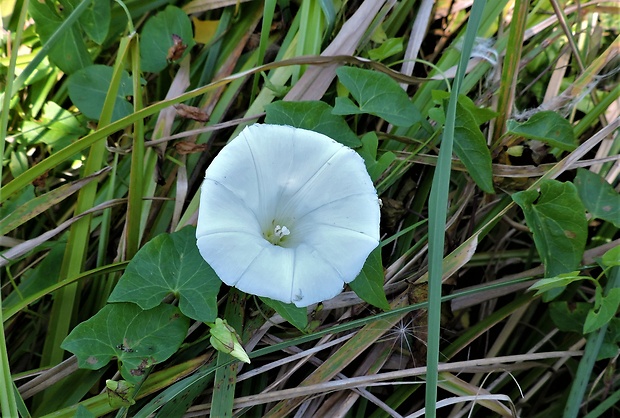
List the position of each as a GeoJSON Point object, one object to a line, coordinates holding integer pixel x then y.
{"type": "Point", "coordinates": [191, 112]}
{"type": "Point", "coordinates": [177, 49]}
{"type": "Point", "coordinates": [187, 147]}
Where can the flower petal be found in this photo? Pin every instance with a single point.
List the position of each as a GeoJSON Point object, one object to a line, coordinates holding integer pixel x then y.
{"type": "Point", "coordinates": [223, 210]}
{"type": "Point", "coordinates": [344, 249]}
{"type": "Point", "coordinates": [270, 274]}
{"type": "Point", "coordinates": [230, 253]}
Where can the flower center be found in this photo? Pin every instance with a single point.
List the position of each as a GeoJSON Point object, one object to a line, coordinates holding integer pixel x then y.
{"type": "Point", "coordinates": [277, 235]}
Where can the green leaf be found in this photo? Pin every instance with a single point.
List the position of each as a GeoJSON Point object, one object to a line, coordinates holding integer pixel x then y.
{"type": "Point", "coordinates": [606, 311]}
{"type": "Point", "coordinates": [69, 52]}
{"type": "Point", "coordinates": [375, 167]}
{"type": "Point", "coordinates": [368, 285]}
{"type": "Point", "coordinates": [376, 94]}
{"type": "Point", "coordinates": [139, 339]}
{"type": "Point", "coordinates": [612, 257]}
{"type": "Point", "coordinates": [96, 20]}
{"type": "Point", "coordinates": [569, 319]}
{"type": "Point", "coordinates": [557, 219]}
{"type": "Point", "coordinates": [298, 317]}
{"type": "Point", "coordinates": [598, 196]}
{"type": "Point", "coordinates": [312, 115]}
{"type": "Point", "coordinates": [548, 127]}
{"type": "Point", "coordinates": [171, 263]}
{"type": "Point", "coordinates": [471, 147]}
{"type": "Point", "coordinates": [89, 86]}
{"type": "Point", "coordinates": [560, 281]}
{"type": "Point", "coordinates": [58, 128]}
{"type": "Point", "coordinates": [387, 49]}
{"type": "Point", "coordinates": [157, 37]}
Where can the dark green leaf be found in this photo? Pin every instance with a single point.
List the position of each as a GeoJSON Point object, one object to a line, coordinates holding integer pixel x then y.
{"type": "Point", "coordinates": [157, 37]}
{"type": "Point", "coordinates": [69, 52]}
{"type": "Point", "coordinates": [88, 89]}
{"type": "Point", "coordinates": [598, 196]}
{"type": "Point", "coordinates": [298, 317]}
{"type": "Point", "coordinates": [368, 285]}
{"type": "Point", "coordinates": [377, 94]}
{"type": "Point", "coordinates": [139, 339]}
{"type": "Point", "coordinates": [96, 20]}
{"type": "Point", "coordinates": [556, 217]}
{"type": "Point", "coordinates": [171, 263]}
{"type": "Point", "coordinates": [569, 319]}
{"type": "Point", "coordinates": [471, 148]}
{"type": "Point", "coordinates": [548, 127]}
{"type": "Point", "coordinates": [375, 167]}
{"type": "Point", "coordinates": [312, 115]}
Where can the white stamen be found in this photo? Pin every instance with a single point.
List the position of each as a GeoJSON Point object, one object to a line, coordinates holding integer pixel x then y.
{"type": "Point", "coordinates": [281, 231]}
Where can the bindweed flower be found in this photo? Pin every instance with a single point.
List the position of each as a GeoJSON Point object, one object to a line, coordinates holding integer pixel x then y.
{"type": "Point", "coordinates": [287, 214]}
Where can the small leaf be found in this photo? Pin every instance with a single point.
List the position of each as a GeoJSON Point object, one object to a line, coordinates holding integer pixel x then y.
{"type": "Point", "coordinates": [96, 20]}
{"type": "Point", "coordinates": [139, 339]}
{"type": "Point", "coordinates": [557, 219]}
{"type": "Point", "coordinates": [598, 196]}
{"type": "Point", "coordinates": [377, 94]}
{"type": "Point", "coordinates": [375, 167]}
{"type": "Point", "coordinates": [471, 148]}
{"type": "Point", "coordinates": [88, 89]}
{"type": "Point", "coordinates": [387, 49]}
{"type": "Point", "coordinates": [548, 127]}
{"type": "Point", "coordinates": [560, 281]}
{"type": "Point", "coordinates": [298, 317]}
{"type": "Point", "coordinates": [612, 257]}
{"type": "Point", "coordinates": [312, 115]}
{"type": "Point", "coordinates": [369, 284]}
{"type": "Point", "coordinates": [171, 263]}
{"type": "Point", "coordinates": [159, 35]}
{"type": "Point", "coordinates": [606, 311]}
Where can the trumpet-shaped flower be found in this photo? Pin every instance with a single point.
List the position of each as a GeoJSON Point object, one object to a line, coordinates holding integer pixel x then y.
{"type": "Point", "coordinates": [287, 214]}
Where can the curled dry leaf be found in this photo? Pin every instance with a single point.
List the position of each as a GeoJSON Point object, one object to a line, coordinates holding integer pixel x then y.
{"type": "Point", "coordinates": [187, 147]}
{"type": "Point", "coordinates": [191, 112]}
{"type": "Point", "coordinates": [177, 49]}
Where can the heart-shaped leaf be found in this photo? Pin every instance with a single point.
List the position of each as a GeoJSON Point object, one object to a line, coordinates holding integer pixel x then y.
{"type": "Point", "coordinates": [137, 338]}
{"type": "Point", "coordinates": [312, 115]}
{"type": "Point", "coordinates": [377, 94]}
{"type": "Point", "coordinates": [166, 37]}
{"type": "Point", "coordinates": [548, 127]}
{"type": "Point", "coordinates": [171, 263]}
{"type": "Point", "coordinates": [88, 88]}
{"type": "Point", "coordinates": [557, 219]}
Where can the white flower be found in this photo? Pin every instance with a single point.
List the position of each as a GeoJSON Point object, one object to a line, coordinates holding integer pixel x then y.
{"type": "Point", "coordinates": [287, 214]}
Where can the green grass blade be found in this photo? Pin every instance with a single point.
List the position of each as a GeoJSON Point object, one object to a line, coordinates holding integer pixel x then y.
{"type": "Point", "coordinates": [438, 203]}
{"type": "Point", "coordinates": [134, 204]}
{"type": "Point", "coordinates": [510, 69]}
